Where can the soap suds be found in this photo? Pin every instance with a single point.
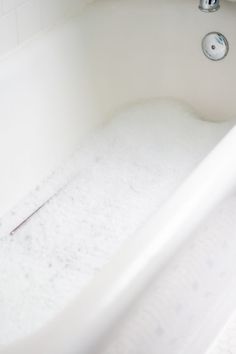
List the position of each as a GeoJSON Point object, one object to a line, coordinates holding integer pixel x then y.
{"type": "Point", "coordinates": [125, 171]}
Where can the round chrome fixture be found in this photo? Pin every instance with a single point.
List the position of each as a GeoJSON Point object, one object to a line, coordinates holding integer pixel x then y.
{"type": "Point", "coordinates": [215, 46]}
{"type": "Point", "coordinates": [209, 5]}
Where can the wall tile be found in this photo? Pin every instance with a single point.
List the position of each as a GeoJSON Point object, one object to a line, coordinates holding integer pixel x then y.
{"type": "Point", "coordinates": [19, 2]}
{"type": "Point", "coordinates": [20, 20]}
{"type": "Point", "coordinates": [8, 32]}
{"type": "Point", "coordinates": [53, 11]}
{"type": "Point", "coordinates": [28, 19]}
{"type": "Point", "coordinates": [74, 6]}
{"type": "Point", "coordinates": [8, 5]}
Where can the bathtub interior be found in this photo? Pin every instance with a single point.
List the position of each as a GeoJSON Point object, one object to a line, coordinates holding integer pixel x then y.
{"type": "Point", "coordinates": [118, 58]}
{"type": "Point", "coordinates": [58, 87]}
{"type": "Point", "coordinates": [188, 304]}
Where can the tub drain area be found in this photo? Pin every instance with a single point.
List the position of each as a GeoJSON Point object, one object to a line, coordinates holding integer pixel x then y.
{"type": "Point", "coordinates": [125, 170]}
{"type": "Point", "coordinates": [215, 46]}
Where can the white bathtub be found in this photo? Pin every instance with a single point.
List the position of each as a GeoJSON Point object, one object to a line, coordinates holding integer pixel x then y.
{"type": "Point", "coordinates": [56, 90]}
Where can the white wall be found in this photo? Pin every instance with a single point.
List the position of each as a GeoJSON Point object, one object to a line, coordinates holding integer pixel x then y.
{"type": "Point", "coordinates": [20, 20]}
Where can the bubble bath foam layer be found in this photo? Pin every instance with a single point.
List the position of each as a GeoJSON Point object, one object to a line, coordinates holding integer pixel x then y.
{"type": "Point", "coordinates": [125, 170]}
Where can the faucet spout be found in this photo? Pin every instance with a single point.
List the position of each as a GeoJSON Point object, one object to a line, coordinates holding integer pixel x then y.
{"type": "Point", "coordinates": [209, 5]}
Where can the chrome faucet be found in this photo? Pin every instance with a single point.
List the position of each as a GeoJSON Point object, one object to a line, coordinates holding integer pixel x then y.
{"type": "Point", "coordinates": [209, 5]}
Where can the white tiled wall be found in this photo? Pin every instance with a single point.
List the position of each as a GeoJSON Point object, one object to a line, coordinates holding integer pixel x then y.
{"type": "Point", "coordinates": [22, 19]}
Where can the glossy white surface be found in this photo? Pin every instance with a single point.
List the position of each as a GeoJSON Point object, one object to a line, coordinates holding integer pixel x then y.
{"type": "Point", "coordinates": [123, 173]}
{"type": "Point", "coordinates": [47, 106]}
{"type": "Point", "coordinates": [112, 292]}
{"type": "Point", "coordinates": [98, 66]}
{"type": "Point", "coordinates": [58, 88]}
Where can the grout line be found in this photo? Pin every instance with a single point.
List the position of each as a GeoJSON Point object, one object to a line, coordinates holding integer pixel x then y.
{"type": "Point", "coordinates": [17, 26]}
